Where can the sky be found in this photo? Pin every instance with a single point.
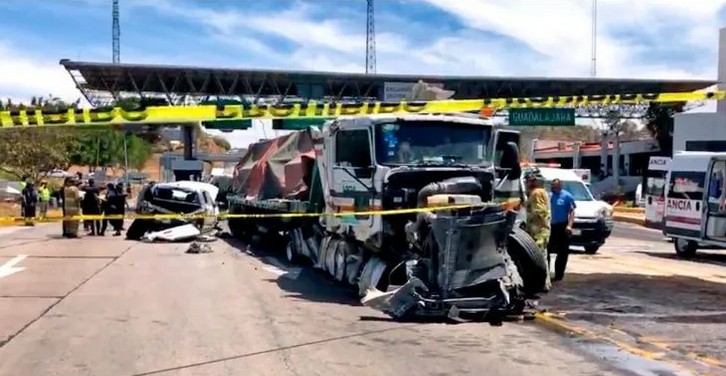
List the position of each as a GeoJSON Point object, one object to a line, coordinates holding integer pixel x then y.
{"type": "Point", "coordinates": [669, 39]}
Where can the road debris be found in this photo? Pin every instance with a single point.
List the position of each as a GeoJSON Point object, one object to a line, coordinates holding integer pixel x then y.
{"type": "Point", "coordinates": [196, 247]}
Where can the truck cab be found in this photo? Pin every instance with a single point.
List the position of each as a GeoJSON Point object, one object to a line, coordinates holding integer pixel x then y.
{"type": "Point", "coordinates": [382, 162]}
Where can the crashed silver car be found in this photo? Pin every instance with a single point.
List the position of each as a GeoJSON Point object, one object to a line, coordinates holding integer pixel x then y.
{"type": "Point", "coordinates": [180, 197]}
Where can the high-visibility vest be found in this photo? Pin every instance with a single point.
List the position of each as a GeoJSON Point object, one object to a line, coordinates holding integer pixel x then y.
{"type": "Point", "coordinates": [44, 194]}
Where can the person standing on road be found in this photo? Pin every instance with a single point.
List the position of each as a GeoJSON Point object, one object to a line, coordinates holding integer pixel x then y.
{"type": "Point", "coordinates": [122, 197]}
{"type": "Point", "coordinates": [537, 224]}
{"type": "Point", "coordinates": [563, 216]}
{"type": "Point", "coordinates": [71, 207]}
{"type": "Point", "coordinates": [91, 206]}
{"type": "Point", "coordinates": [23, 184]}
{"type": "Point", "coordinates": [30, 200]}
{"type": "Point", "coordinates": [44, 196]}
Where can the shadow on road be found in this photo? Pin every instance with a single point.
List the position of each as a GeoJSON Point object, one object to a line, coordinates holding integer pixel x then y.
{"type": "Point", "coordinates": [603, 298]}
{"type": "Point", "coordinates": [310, 284]}
{"type": "Point", "coordinates": [714, 258]}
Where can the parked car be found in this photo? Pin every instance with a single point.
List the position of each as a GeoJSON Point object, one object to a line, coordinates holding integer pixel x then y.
{"type": "Point", "coordinates": [58, 173]}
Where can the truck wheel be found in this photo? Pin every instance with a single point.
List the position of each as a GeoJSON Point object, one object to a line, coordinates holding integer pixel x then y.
{"type": "Point", "coordinates": [591, 249]}
{"type": "Point", "coordinates": [685, 248]}
{"type": "Point", "coordinates": [531, 263]}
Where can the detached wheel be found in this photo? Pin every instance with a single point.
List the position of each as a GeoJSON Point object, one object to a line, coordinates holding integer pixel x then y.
{"type": "Point", "coordinates": [685, 248]}
{"type": "Point", "coordinates": [591, 249]}
{"type": "Point", "coordinates": [530, 261]}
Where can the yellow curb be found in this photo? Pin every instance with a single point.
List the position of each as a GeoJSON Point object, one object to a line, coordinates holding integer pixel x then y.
{"type": "Point", "coordinates": [629, 219]}
{"type": "Point", "coordinates": [560, 324]}
{"type": "Point", "coordinates": [619, 209]}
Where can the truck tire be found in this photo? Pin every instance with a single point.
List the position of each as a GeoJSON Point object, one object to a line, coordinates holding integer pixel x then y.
{"type": "Point", "coordinates": [591, 249]}
{"type": "Point", "coordinates": [532, 264]}
{"type": "Point", "coordinates": [685, 248]}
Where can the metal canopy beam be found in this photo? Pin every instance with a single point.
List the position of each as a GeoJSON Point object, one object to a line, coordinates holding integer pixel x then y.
{"type": "Point", "coordinates": [102, 82]}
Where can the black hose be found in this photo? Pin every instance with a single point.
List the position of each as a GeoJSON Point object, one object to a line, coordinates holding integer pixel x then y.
{"type": "Point", "coordinates": [461, 185]}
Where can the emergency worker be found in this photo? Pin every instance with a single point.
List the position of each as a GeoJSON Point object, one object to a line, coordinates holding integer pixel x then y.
{"type": "Point", "coordinates": [537, 225]}
{"type": "Point", "coordinates": [91, 206]}
{"type": "Point", "coordinates": [30, 201]}
{"type": "Point", "coordinates": [563, 217]}
{"type": "Point", "coordinates": [44, 196]}
{"type": "Point", "coordinates": [71, 207]}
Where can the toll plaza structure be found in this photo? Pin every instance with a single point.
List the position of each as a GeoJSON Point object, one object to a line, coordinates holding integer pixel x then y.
{"type": "Point", "coordinates": [103, 83]}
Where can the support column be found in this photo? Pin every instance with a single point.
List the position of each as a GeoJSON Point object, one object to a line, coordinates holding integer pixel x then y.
{"type": "Point", "coordinates": [576, 155]}
{"type": "Point", "coordinates": [626, 163]}
{"type": "Point", "coordinates": [721, 104]}
{"type": "Point", "coordinates": [604, 144]}
{"type": "Point", "coordinates": [188, 139]}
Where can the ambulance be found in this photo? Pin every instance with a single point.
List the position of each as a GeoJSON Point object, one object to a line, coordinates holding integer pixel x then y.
{"type": "Point", "coordinates": [654, 195]}
{"type": "Point", "coordinates": [695, 210]}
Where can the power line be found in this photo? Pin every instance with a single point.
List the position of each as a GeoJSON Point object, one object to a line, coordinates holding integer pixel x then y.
{"type": "Point", "coordinates": [370, 38]}
{"type": "Point", "coordinates": [116, 33]}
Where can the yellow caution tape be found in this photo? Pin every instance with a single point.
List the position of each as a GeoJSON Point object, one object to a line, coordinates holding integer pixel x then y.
{"type": "Point", "coordinates": [192, 114]}
{"type": "Point", "coordinates": [223, 216]}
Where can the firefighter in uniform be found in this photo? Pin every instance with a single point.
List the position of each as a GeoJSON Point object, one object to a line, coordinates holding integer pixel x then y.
{"type": "Point", "coordinates": [71, 207]}
{"type": "Point", "coordinates": [537, 208]}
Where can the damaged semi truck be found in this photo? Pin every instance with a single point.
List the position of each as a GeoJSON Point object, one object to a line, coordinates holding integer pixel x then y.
{"type": "Point", "coordinates": [322, 189]}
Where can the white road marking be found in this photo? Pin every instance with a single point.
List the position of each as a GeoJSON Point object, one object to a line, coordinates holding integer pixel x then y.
{"type": "Point", "coordinates": [9, 267]}
{"type": "Point", "coordinates": [281, 270]}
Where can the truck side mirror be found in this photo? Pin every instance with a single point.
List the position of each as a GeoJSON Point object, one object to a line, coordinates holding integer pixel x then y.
{"type": "Point", "coordinates": [510, 160]}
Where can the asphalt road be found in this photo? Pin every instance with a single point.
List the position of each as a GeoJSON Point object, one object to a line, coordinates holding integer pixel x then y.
{"type": "Point", "coordinates": [631, 231]}
{"type": "Point", "coordinates": [106, 306]}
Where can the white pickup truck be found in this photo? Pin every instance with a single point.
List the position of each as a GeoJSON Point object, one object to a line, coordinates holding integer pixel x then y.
{"type": "Point", "coordinates": [593, 218]}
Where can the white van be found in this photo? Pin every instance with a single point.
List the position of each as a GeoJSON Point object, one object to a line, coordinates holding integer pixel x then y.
{"type": "Point", "coordinates": [593, 218]}
{"type": "Point", "coordinates": [695, 210]}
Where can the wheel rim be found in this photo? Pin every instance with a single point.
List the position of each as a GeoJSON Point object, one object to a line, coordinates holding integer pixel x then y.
{"type": "Point", "coordinates": [288, 252]}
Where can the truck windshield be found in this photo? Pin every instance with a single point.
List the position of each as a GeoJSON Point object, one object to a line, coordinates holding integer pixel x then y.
{"type": "Point", "coordinates": [431, 142]}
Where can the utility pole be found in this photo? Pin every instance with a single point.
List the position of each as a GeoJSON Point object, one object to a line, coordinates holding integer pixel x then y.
{"type": "Point", "coordinates": [593, 71]}
{"type": "Point", "coordinates": [370, 38]}
{"type": "Point", "coordinates": [115, 33]}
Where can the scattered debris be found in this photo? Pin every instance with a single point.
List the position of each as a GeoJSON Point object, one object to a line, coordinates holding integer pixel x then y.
{"type": "Point", "coordinates": [174, 234]}
{"type": "Point", "coordinates": [196, 247]}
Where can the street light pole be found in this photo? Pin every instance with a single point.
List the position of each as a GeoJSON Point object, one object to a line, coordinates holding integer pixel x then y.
{"type": "Point", "coordinates": [593, 71]}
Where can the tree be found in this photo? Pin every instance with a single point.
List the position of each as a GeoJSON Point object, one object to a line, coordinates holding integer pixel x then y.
{"type": "Point", "coordinates": [659, 122]}
{"type": "Point", "coordinates": [105, 148]}
{"type": "Point", "coordinates": [34, 151]}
